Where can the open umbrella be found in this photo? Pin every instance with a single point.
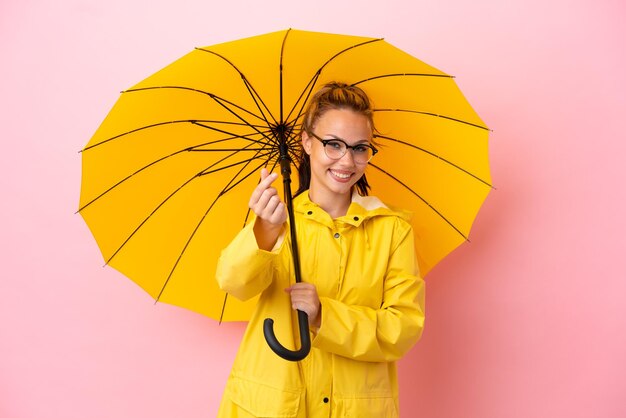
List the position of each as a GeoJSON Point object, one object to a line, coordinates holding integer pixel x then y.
{"type": "Point", "coordinates": [167, 176]}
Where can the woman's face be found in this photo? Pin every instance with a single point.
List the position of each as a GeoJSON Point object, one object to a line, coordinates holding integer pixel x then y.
{"type": "Point", "coordinates": [330, 176]}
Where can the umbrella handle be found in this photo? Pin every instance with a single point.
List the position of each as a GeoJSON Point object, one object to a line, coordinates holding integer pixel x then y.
{"type": "Point", "coordinates": [277, 347]}
{"type": "Point", "coordinates": [303, 318]}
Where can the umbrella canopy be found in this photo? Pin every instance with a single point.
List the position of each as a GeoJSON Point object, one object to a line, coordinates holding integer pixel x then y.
{"type": "Point", "coordinates": [167, 176]}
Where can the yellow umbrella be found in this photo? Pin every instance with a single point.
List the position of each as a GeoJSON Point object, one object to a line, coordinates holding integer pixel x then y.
{"type": "Point", "coordinates": [167, 176]}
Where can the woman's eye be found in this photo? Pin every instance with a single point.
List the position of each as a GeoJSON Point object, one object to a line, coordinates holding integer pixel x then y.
{"type": "Point", "coordinates": [334, 144]}
{"type": "Point", "coordinates": [361, 149]}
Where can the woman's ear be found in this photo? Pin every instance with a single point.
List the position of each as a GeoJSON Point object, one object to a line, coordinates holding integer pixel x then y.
{"type": "Point", "coordinates": [306, 142]}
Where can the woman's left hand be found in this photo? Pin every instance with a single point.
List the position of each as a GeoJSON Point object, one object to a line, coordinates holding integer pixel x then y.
{"type": "Point", "coordinates": [304, 298]}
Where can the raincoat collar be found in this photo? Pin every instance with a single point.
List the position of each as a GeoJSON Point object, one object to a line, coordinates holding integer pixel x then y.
{"type": "Point", "coordinates": [361, 209]}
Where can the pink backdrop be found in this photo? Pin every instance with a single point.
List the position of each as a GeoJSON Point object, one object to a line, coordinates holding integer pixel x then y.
{"type": "Point", "coordinates": [525, 321]}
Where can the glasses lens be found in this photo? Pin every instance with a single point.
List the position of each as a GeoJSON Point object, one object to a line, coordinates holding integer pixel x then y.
{"type": "Point", "coordinates": [361, 154]}
{"type": "Point", "coordinates": [335, 149]}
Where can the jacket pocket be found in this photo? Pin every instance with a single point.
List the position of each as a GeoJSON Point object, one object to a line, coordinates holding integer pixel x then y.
{"type": "Point", "coordinates": [261, 400]}
{"type": "Point", "coordinates": [365, 407]}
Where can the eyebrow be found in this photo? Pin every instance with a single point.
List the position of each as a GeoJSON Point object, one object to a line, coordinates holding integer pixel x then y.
{"type": "Point", "coordinates": [362, 141]}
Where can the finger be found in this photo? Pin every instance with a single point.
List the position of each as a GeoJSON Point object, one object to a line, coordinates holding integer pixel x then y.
{"type": "Point", "coordinates": [305, 306]}
{"type": "Point", "coordinates": [265, 196]}
{"type": "Point", "coordinates": [277, 214]}
{"type": "Point", "coordinates": [280, 214]}
{"type": "Point", "coordinates": [263, 185]}
{"type": "Point", "coordinates": [304, 291]}
{"type": "Point", "coordinates": [302, 286]}
{"type": "Point", "coordinates": [302, 304]}
{"type": "Point", "coordinates": [302, 307]}
{"type": "Point", "coordinates": [267, 178]}
{"type": "Point", "coordinates": [267, 207]}
{"type": "Point", "coordinates": [267, 203]}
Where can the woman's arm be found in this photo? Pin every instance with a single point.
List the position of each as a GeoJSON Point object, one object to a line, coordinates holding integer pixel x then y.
{"type": "Point", "coordinates": [243, 269]}
{"type": "Point", "coordinates": [384, 334]}
{"type": "Point", "coordinates": [245, 266]}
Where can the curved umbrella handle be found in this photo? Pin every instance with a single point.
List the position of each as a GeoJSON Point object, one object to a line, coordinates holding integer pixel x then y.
{"type": "Point", "coordinates": [277, 347]}
{"type": "Point", "coordinates": [303, 318]}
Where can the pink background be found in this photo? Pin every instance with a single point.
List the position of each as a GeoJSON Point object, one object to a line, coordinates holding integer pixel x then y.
{"type": "Point", "coordinates": [527, 320]}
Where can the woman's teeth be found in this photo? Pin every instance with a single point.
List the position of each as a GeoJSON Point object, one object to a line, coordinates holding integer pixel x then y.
{"type": "Point", "coordinates": [340, 175]}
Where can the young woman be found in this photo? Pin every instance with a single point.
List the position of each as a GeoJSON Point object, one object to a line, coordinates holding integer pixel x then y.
{"type": "Point", "coordinates": [360, 282]}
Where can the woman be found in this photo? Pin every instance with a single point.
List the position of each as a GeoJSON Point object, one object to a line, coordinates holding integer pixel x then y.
{"type": "Point", "coordinates": [360, 282]}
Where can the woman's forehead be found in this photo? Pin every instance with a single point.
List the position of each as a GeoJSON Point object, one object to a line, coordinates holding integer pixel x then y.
{"type": "Point", "coordinates": [344, 123]}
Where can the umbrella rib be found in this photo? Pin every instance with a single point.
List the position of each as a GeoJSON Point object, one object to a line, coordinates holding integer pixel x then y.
{"type": "Point", "coordinates": [197, 175]}
{"type": "Point", "coordinates": [280, 75]}
{"type": "Point", "coordinates": [294, 157]}
{"type": "Point", "coordinates": [358, 45]}
{"type": "Point", "coordinates": [436, 156]}
{"type": "Point", "coordinates": [265, 134]}
{"type": "Point", "coordinates": [251, 90]}
{"type": "Point", "coordinates": [188, 149]}
{"type": "Point", "coordinates": [156, 125]}
{"type": "Point", "coordinates": [225, 190]}
{"type": "Point", "coordinates": [450, 118]}
{"type": "Point", "coordinates": [420, 198]}
{"type": "Point", "coordinates": [307, 91]}
{"type": "Point", "coordinates": [257, 98]}
{"type": "Point", "coordinates": [223, 308]}
{"type": "Point", "coordinates": [403, 75]}
{"type": "Point", "coordinates": [311, 84]}
{"type": "Point", "coordinates": [217, 99]}
{"type": "Point", "coordinates": [248, 124]}
{"type": "Point", "coordinates": [205, 172]}
{"type": "Point", "coordinates": [213, 96]}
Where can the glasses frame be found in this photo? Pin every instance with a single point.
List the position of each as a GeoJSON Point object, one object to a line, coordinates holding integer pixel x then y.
{"type": "Point", "coordinates": [352, 147]}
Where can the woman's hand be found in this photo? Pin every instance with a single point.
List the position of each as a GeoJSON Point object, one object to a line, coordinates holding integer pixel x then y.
{"type": "Point", "coordinates": [265, 202]}
{"type": "Point", "coordinates": [270, 211]}
{"type": "Point", "coordinates": [304, 298]}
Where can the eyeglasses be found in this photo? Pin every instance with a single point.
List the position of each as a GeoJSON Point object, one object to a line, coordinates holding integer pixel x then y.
{"type": "Point", "coordinates": [335, 149]}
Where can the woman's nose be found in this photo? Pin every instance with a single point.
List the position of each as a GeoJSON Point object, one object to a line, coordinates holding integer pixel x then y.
{"type": "Point", "coordinates": [348, 156]}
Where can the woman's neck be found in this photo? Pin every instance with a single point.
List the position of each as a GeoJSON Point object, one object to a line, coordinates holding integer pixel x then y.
{"type": "Point", "coordinates": [335, 205]}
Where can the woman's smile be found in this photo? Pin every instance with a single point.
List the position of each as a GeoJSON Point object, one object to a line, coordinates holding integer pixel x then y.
{"type": "Point", "coordinates": [342, 176]}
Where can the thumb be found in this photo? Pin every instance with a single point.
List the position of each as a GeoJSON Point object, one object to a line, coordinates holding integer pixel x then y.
{"type": "Point", "coordinates": [264, 173]}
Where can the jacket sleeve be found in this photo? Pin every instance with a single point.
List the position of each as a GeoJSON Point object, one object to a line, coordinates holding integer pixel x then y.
{"type": "Point", "coordinates": [244, 270]}
{"type": "Point", "coordinates": [384, 334]}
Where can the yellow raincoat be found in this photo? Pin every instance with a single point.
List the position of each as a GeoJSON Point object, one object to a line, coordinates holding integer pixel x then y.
{"type": "Point", "coordinates": [364, 267]}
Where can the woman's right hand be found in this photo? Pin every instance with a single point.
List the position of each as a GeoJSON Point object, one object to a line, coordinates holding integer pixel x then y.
{"type": "Point", "coordinates": [270, 211]}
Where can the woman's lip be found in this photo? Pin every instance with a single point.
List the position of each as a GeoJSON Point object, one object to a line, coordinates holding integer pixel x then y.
{"type": "Point", "coordinates": [342, 176]}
